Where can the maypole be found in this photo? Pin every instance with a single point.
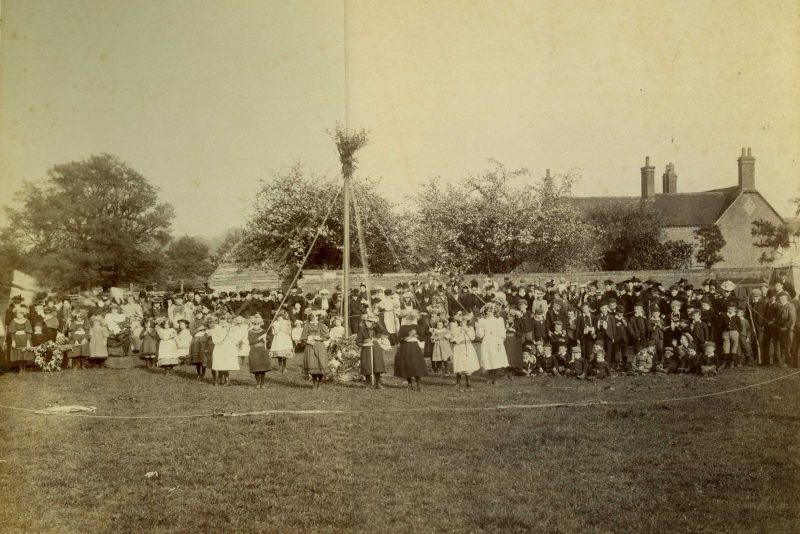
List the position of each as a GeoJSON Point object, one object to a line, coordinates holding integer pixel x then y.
{"type": "Point", "coordinates": [347, 143]}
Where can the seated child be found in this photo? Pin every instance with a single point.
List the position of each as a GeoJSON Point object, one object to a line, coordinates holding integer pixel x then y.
{"type": "Point", "coordinates": [549, 364]}
{"type": "Point", "coordinates": [643, 361]}
{"type": "Point", "coordinates": [669, 362]}
{"type": "Point", "coordinates": [577, 365]}
{"type": "Point", "coordinates": [708, 361]}
{"type": "Point", "coordinates": [597, 365]}
{"type": "Point", "coordinates": [529, 358]}
{"type": "Point", "coordinates": [692, 361]}
{"type": "Point", "coordinates": [562, 358]}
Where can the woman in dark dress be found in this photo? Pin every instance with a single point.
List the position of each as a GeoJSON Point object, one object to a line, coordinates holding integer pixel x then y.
{"type": "Point", "coordinates": [369, 331]}
{"type": "Point", "coordinates": [408, 361]}
{"type": "Point", "coordinates": [315, 358]}
{"type": "Point", "coordinates": [259, 357]}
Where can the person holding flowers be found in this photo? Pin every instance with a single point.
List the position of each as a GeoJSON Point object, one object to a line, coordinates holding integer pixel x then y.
{"type": "Point", "coordinates": [315, 357]}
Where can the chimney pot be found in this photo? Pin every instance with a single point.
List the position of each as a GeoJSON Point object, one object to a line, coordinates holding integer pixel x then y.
{"type": "Point", "coordinates": [749, 152]}
{"type": "Point", "coordinates": [743, 152]}
{"type": "Point", "coordinates": [647, 161]}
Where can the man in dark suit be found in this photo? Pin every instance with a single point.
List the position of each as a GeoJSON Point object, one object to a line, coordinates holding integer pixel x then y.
{"type": "Point", "coordinates": [586, 330]}
{"type": "Point", "coordinates": [605, 331]}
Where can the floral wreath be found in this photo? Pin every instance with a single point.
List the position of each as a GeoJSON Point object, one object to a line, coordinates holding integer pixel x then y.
{"type": "Point", "coordinates": [49, 356]}
{"type": "Point", "coordinates": [345, 360]}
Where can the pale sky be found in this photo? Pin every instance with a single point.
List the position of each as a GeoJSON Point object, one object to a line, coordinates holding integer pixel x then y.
{"type": "Point", "coordinates": [207, 97]}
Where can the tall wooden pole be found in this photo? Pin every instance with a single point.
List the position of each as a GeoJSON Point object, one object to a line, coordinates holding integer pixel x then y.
{"type": "Point", "coordinates": [346, 262]}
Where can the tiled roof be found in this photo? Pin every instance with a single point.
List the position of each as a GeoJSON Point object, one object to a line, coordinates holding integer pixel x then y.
{"type": "Point", "coordinates": [677, 209]}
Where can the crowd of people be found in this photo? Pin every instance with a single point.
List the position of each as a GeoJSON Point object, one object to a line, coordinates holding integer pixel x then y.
{"type": "Point", "coordinates": [507, 329]}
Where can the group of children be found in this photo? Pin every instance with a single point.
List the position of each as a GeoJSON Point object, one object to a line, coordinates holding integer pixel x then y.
{"type": "Point", "coordinates": [560, 329]}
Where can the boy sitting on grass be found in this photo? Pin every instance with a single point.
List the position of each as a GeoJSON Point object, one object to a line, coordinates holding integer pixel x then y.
{"type": "Point", "coordinates": [577, 365]}
{"type": "Point", "coordinates": [708, 361]}
{"type": "Point", "coordinates": [530, 359]}
{"type": "Point", "coordinates": [562, 358]}
{"type": "Point", "coordinates": [643, 362]}
{"type": "Point", "coordinates": [597, 365]}
{"type": "Point", "coordinates": [549, 364]}
{"type": "Point", "coordinates": [669, 362]}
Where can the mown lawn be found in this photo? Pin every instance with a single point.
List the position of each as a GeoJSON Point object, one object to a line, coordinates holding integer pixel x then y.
{"type": "Point", "coordinates": [726, 463]}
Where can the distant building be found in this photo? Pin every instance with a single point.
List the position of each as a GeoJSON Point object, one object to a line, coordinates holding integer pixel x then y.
{"type": "Point", "coordinates": [733, 209]}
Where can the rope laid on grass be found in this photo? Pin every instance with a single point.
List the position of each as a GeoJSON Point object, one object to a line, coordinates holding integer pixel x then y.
{"type": "Point", "coordinates": [428, 409]}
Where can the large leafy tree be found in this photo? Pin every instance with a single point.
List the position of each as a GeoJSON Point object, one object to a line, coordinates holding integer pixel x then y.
{"type": "Point", "coordinates": [91, 222]}
{"type": "Point", "coordinates": [492, 222]}
{"type": "Point", "coordinates": [632, 239]}
{"type": "Point", "coordinates": [188, 261]}
{"type": "Point", "coordinates": [289, 210]}
{"type": "Point", "coordinates": [710, 243]}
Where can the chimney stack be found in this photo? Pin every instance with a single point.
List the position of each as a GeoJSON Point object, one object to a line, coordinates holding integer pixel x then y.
{"type": "Point", "coordinates": [669, 180]}
{"type": "Point", "coordinates": [648, 179]}
{"type": "Point", "coordinates": [747, 171]}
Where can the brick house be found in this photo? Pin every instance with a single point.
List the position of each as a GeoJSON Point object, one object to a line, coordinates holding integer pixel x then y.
{"type": "Point", "coordinates": [733, 209]}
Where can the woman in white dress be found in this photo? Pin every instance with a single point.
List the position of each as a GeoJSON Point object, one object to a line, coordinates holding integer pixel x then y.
{"type": "Point", "coordinates": [226, 348]}
{"type": "Point", "coordinates": [492, 331]}
{"type": "Point", "coordinates": [388, 308]}
{"type": "Point", "coordinates": [167, 347]}
{"type": "Point", "coordinates": [282, 346]}
{"type": "Point", "coordinates": [240, 328]}
{"type": "Point", "coordinates": [465, 359]}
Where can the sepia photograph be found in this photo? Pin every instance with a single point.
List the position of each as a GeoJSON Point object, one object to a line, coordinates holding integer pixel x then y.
{"type": "Point", "coordinates": [357, 266]}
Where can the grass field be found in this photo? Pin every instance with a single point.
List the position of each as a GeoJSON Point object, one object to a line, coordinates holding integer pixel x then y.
{"type": "Point", "coordinates": [725, 463]}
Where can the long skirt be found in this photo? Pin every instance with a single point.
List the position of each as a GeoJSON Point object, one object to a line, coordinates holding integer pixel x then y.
{"type": "Point", "coordinates": [409, 362]}
{"type": "Point", "coordinates": [367, 354]}
{"type": "Point", "coordinates": [225, 358]}
{"type": "Point", "coordinates": [315, 358]}
{"type": "Point", "coordinates": [465, 359]}
{"type": "Point", "coordinates": [20, 353]}
{"type": "Point", "coordinates": [513, 347]}
{"type": "Point", "coordinates": [259, 359]}
{"type": "Point", "coordinates": [493, 354]}
{"type": "Point", "coordinates": [442, 351]}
